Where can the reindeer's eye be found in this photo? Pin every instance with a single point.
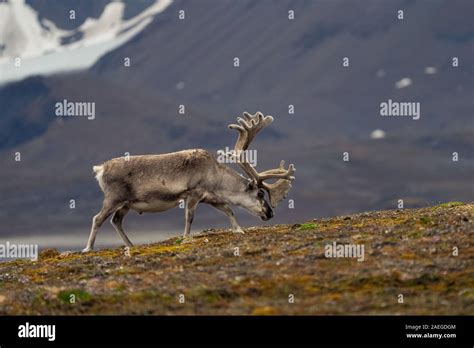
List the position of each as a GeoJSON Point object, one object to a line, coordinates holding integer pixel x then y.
{"type": "Point", "coordinates": [261, 194]}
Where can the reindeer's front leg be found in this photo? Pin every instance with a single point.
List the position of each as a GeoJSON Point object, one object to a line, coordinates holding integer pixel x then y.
{"type": "Point", "coordinates": [191, 204]}
{"type": "Point", "coordinates": [230, 214]}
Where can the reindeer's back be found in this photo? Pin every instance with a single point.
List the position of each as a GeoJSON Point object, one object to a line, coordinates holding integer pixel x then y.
{"type": "Point", "coordinates": [175, 171]}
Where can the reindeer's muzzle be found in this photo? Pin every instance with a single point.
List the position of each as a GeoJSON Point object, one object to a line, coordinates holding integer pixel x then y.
{"type": "Point", "coordinates": [268, 213]}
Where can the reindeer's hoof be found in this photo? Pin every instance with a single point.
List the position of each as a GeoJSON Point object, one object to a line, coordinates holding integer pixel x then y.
{"type": "Point", "coordinates": [86, 250]}
{"type": "Point", "coordinates": [238, 231]}
{"type": "Point", "coordinates": [187, 240]}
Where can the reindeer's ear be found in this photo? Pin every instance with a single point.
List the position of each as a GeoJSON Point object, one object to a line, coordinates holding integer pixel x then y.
{"type": "Point", "coordinates": [251, 185]}
{"type": "Point", "coordinates": [278, 191]}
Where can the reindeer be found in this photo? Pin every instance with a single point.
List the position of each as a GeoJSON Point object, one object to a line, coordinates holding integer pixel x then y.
{"type": "Point", "coordinates": [155, 183]}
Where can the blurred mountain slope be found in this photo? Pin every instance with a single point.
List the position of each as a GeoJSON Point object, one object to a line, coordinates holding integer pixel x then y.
{"type": "Point", "coordinates": [282, 62]}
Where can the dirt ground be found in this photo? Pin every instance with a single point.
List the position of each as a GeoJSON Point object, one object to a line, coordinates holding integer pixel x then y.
{"type": "Point", "coordinates": [416, 261]}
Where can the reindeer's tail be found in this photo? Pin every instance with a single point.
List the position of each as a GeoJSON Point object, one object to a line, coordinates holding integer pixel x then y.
{"type": "Point", "coordinates": [99, 172]}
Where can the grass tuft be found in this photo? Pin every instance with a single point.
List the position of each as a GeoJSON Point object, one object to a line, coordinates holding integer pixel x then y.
{"type": "Point", "coordinates": [308, 226]}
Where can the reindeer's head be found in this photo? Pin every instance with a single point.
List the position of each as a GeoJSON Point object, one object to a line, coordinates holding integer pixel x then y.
{"type": "Point", "coordinates": [248, 127]}
{"type": "Point", "coordinates": [252, 198]}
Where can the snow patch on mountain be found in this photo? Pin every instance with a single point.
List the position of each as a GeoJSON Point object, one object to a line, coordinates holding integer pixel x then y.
{"type": "Point", "coordinates": [30, 46]}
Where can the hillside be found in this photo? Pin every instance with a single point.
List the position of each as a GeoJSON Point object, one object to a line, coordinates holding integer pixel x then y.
{"type": "Point", "coordinates": [408, 252]}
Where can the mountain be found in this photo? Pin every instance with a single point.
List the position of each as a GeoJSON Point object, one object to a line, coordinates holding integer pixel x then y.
{"type": "Point", "coordinates": [190, 62]}
{"type": "Point", "coordinates": [44, 48]}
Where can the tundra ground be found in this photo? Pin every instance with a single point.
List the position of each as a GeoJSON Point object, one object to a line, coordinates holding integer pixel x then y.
{"type": "Point", "coordinates": [426, 255]}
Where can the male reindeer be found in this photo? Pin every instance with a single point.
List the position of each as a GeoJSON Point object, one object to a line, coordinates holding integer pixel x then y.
{"type": "Point", "coordinates": [155, 183]}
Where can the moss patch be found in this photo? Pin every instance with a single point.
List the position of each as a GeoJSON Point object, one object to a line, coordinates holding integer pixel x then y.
{"type": "Point", "coordinates": [74, 295]}
{"type": "Point", "coordinates": [449, 205]}
{"type": "Point", "coordinates": [308, 226]}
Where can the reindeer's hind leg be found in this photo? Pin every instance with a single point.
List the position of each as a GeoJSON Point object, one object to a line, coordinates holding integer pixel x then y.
{"type": "Point", "coordinates": [117, 220]}
{"type": "Point", "coordinates": [108, 208]}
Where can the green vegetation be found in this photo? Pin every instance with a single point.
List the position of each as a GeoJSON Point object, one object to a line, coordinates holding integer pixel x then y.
{"type": "Point", "coordinates": [308, 226]}
{"type": "Point", "coordinates": [449, 205]}
{"type": "Point", "coordinates": [74, 295]}
{"type": "Point", "coordinates": [426, 220]}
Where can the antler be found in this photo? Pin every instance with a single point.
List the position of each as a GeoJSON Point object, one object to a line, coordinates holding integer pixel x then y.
{"type": "Point", "coordinates": [248, 129]}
